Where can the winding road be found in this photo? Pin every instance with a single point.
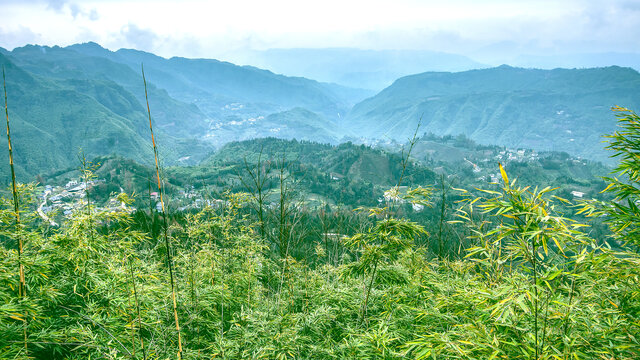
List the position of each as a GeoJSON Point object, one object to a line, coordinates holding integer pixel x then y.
{"type": "Point", "coordinates": [41, 212]}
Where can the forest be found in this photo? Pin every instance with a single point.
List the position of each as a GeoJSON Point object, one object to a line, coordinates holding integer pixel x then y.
{"type": "Point", "coordinates": [511, 270]}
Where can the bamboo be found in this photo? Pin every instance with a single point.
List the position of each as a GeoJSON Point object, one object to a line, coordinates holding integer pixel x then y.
{"type": "Point", "coordinates": [22, 289]}
{"type": "Point", "coordinates": [164, 216]}
{"type": "Point", "coordinates": [135, 295]}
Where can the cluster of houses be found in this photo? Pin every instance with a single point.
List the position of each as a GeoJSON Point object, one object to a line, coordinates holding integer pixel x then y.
{"type": "Point", "coordinates": [67, 199]}
{"type": "Point", "coordinates": [189, 199]}
{"type": "Point", "coordinates": [517, 155]}
{"type": "Point", "coordinates": [394, 195]}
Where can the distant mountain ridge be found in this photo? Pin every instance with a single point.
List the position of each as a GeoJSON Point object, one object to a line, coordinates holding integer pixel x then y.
{"type": "Point", "coordinates": [51, 120]}
{"type": "Point", "coordinates": [193, 80]}
{"type": "Point", "coordinates": [235, 98]}
{"type": "Point", "coordinates": [579, 60]}
{"type": "Point", "coordinates": [560, 109]}
{"type": "Point", "coordinates": [87, 97]}
{"type": "Point", "coordinates": [359, 68]}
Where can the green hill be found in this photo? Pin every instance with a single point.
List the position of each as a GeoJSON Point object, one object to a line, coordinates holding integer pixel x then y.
{"type": "Point", "coordinates": [213, 84]}
{"type": "Point", "coordinates": [172, 115]}
{"type": "Point", "coordinates": [352, 174]}
{"type": "Point", "coordinates": [85, 96]}
{"type": "Point", "coordinates": [344, 161]}
{"type": "Point", "coordinates": [561, 109]}
{"type": "Point", "coordinates": [53, 118]}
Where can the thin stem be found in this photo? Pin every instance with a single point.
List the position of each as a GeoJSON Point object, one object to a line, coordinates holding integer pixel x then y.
{"type": "Point", "coordinates": [565, 328]}
{"type": "Point", "coordinates": [133, 329]}
{"type": "Point", "coordinates": [164, 216]}
{"type": "Point", "coordinates": [135, 296]}
{"type": "Point", "coordinates": [86, 172]}
{"type": "Point", "coordinates": [22, 288]}
{"type": "Point", "coordinates": [405, 160]}
{"type": "Point", "coordinates": [102, 327]}
{"type": "Point", "coordinates": [442, 213]}
{"type": "Point", "coordinates": [412, 143]}
{"type": "Point", "coordinates": [546, 318]}
{"type": "Point", "coordinates": [535, 292]}
{"type": "Point", "coordinates": [256, 188]}
{"type": "Point", "coordinates": [366, 298]}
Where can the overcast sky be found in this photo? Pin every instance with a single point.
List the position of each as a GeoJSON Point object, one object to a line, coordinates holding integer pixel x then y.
{"type": "Point", "coordinates": [216, 29]}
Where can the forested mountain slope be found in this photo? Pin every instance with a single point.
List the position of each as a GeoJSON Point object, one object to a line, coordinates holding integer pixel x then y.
{"type": "Point", "coordinates": [560, 109]}
{"type": "Point", "coordinates": [212, 84]}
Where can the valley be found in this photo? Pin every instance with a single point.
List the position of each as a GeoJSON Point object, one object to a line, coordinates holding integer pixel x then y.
{"type": "Point", "coordinates": [91, 98]}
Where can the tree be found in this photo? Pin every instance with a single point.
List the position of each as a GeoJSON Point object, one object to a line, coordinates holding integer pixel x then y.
{"type": "Point", "coordinates": [622, 214]}
{"type": "Point", "coordinates": [381, 244]}
{"type": "Point", "coordinates": [257, 185]}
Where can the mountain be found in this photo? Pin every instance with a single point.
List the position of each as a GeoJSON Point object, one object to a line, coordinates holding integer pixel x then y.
{"type": "Point", "coordinates": [581, 60]}
{"type": "Point", "coordinates": [560, 109]}
{"type": "Point", "coordinates": [65, 64]}
{"type": "Point", "coordinates": [215, 86]}
{"type": "Point", "coordinates": [85, 96]}
{"type": "Point", "coordinates": [356, 68]}
{"type": "Point", "coordinates": [55, 115]}
{"type": "Point", "coordinates": [46, 135]}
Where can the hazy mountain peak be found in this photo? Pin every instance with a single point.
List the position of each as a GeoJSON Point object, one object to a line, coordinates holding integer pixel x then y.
{"type": "Point", "coordinates": [89, 48]}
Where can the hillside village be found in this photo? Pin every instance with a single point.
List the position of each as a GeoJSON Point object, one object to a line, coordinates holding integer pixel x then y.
{"type": "Point", "coordinates": [456, 158]}
{"type": "Point", "coordinates": [64, 201]}
{"type": "Point", "coordinates": [474, 163]}
{"type": "Point", "coordinates": [57, 202]}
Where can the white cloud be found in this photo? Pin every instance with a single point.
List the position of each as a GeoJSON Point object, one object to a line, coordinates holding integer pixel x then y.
{"type": "Point", "coordinates": [213, 28]}
{"type": "Point", "coordinates": [138, 38]}
{"type": "Point", "coordinates": [18, 37]}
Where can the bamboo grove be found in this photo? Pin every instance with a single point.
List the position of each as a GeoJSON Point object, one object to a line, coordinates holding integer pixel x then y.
{"type": "Point", "coordinates": [227, 281]}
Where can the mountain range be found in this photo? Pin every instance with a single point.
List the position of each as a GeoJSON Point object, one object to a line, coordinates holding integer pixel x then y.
{"type": "Point", "coordinates": [87, 98]}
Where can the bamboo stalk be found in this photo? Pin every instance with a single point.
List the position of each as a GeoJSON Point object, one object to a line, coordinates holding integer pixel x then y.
{"type": "Point", "coordinates": [101, 327]}
{"type": "Point", "coordinates": [86, 169]}
{"type": "Point", "coordinates": [135, 295]}
{"type": "Point", "coordinates": [22, 289]}
{"type": "Point", "coordinates": [133, 330]}
{"type": "Point", "coordinates": [164, 216]}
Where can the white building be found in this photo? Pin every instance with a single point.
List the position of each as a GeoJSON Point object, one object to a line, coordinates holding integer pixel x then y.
{"type": "Point", "coordinates": [578, 194]}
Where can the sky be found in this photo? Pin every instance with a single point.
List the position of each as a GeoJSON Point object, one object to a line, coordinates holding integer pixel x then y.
{"type": "Point", "coordinates": [219, 29]}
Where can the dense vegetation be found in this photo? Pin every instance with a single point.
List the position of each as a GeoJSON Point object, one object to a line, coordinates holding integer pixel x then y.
{"type": "Point", "coordinates": [507, 275]}
{"type": "Point", "coordinates": [348, 175]}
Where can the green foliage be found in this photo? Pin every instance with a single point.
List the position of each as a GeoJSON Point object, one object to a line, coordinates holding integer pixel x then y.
{"type": "Point", "coordinates": [99, 288]}
{"type": "Point", "coordinates": [61, 102]}
{"type": "Point", "coordinates": [541, 288]}
{"type": "Point", "coordinates": [623, 214]}
{"type": "Point", "coordinates": [290, 285]}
